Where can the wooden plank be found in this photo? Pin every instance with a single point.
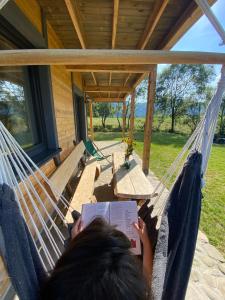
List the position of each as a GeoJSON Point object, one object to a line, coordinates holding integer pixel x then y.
{"type": "Point", "coordinates": [98, 88]}
{"type": "Point", "coordinates": [149, 121]}
{"type": "Point", "coordinates": [75, 17]}
{"type": "Point", "coordinates": [152, 22]}
{"type": "Point", "coordinates": [115, 21]}
{"type": "Point", "coordinates": [93, 56]}
{"type": "Point", "coordinates": [131, 183]}
{"type": "Point", "coordinates": [109, 99]}
{"type": "Point", "coordinates": [124, 119]}
{"type": "Point", "coordinates": [112, 69]}
{"type": "Point", "coordinates": [63, 173]}
{"type": "Point", "coordinates": [132, 115]}
{"type": "Point", "coordinates": [84, 190]}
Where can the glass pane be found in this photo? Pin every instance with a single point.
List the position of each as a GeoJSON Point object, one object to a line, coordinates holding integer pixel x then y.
{"type": "Point", "coordinates": [16, 111]}
{"type": "Point", "coordinates": [14, 107]}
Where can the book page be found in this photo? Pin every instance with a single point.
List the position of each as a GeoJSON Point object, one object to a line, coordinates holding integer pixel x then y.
{"type": "Point", "coordinates": [91, 211]}
{"type": "Point", "coordinates": [123, 214]}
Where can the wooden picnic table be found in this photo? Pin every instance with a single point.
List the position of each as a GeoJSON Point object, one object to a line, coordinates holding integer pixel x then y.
{"type": "Point", "coordinates": [130, 183]}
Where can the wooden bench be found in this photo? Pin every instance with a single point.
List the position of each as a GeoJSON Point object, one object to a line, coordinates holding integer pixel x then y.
{"type": "Point", "coordinates": [63, 173]}
{"type": "Point", "coordinates": [84, 191]}
{"type": "Point", "coordinates": [85, 188]}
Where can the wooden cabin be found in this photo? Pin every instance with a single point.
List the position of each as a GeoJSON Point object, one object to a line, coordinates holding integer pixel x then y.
{"type": "Point", "coordinates": [54, 88]}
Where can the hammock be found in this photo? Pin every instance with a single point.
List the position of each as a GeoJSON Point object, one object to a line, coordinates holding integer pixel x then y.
{"type": "Point", "coordinates": [19, 172]}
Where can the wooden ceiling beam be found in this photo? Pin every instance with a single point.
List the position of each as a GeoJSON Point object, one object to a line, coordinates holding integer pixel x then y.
{"type": "Point", "coordinates": [107, 57]}
{"type": "Point", "coordinates": [106, 89]}
{"type": "Point", "coordinates": [108, 99]}
{"type": "Point", "coordinates": [110, 68]}
{"type": "Point", "coordinates": [75, 17]}
{"type": "Point", "coordinates": [152, 22]}
{"type": "Point", "coordinates": [114, 30]}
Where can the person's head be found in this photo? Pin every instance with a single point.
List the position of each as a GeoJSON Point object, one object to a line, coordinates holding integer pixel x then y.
{"type": "Point", "coordinates": [97, 265]}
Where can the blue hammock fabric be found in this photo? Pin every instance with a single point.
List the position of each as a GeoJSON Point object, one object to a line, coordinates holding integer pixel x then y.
{"type": "Point", "coordinates": [177, 235]}
{"type": "Point", "coordinates": [17, 248]}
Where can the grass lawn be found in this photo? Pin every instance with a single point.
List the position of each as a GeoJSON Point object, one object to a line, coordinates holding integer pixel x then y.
{"type": "Point", "coordinates": [165, 147]}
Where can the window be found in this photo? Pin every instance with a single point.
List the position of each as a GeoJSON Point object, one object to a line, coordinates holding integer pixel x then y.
{"type": "Point", "coordinates": [22, 109]}
{"type": "Point", "coordinates": [16, 111]}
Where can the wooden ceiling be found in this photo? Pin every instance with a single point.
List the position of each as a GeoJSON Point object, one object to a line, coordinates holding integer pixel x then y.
{"type": "Point", "coordinates": [118, 24]}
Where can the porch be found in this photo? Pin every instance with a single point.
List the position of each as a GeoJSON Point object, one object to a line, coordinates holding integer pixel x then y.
{"type": "Point", "coordinates": [62, 36]}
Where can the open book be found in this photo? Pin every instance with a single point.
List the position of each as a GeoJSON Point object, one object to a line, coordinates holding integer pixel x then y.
{"type": "Point", "coordinates": [122, 214]}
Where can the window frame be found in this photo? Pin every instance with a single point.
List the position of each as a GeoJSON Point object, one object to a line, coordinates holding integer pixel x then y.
{"type": "Point", "coordinates": [39, 90]}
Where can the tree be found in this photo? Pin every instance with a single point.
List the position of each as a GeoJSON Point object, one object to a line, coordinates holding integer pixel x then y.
{"type": "Point", "coordinates": [175, 85]}
{"type": "Point", "coordinates": [118, 113]}
{"type": "Point", "coordinates": [196, 107]}
{"type": "Point", "coordinates": [103, 110]}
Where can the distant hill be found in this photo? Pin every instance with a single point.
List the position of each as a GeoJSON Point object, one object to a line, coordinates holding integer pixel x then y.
{"type": "Point", "coordinates": [140, 110]}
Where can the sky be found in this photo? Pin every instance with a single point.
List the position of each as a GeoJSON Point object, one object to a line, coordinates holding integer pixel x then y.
{"type": "Point", "coordinates": [203, 37]}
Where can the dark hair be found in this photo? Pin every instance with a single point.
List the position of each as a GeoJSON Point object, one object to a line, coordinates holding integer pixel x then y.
{"type": "Point", "coordinates": [97, 265]}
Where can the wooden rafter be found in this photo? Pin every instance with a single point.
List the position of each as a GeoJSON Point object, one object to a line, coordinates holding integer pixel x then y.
{"type": "Point", "coordinates": [107, 57]}
{"type": "Point", "coordinates": [152, 22]}
{"type": "Point", "coordinates": [75, 17]}
{"type": "Point", "coordinates": [106, 89]}
{"type": "Point", "coordinates": [115, 22]}
{"type": "Point", "coordinates": [108, 99]}
{"type": "Point", "coordinates": [111, 69]}
{"type": "Point", "coordinates": [114, 30]}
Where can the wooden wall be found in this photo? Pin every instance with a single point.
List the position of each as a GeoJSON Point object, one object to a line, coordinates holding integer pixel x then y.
{"type": "Point", "coordinates": [63, 99]}
{"type": "Point", "coordinates": [63, 103]}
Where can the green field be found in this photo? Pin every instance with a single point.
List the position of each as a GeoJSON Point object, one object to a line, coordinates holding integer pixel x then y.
{"type": "Point", "coordinates": [165, 147]}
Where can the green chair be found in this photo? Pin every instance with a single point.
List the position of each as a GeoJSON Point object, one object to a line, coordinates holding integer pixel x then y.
{"type": "Point", "coordinates": [94, 151]}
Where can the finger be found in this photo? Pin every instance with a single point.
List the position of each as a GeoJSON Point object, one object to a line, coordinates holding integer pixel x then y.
{"type": "Point", "coordinates": [141, 223]}
{"type": "Point", "coordinates": [81, 226]}
{"type": "Point", "coordinates": [77, 225]}
{"type": "Point", "coordinates": [136, 226]}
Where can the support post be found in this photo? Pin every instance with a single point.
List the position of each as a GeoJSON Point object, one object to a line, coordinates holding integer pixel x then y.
{"type": "Point", "coordinates": [91, 120]}
{"type": "Point", "coordinates": [132, 112]}
{"type": "Point", "coordinates": [149, 120]}
{"type": "Point", "coordinates": [124, 118]}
